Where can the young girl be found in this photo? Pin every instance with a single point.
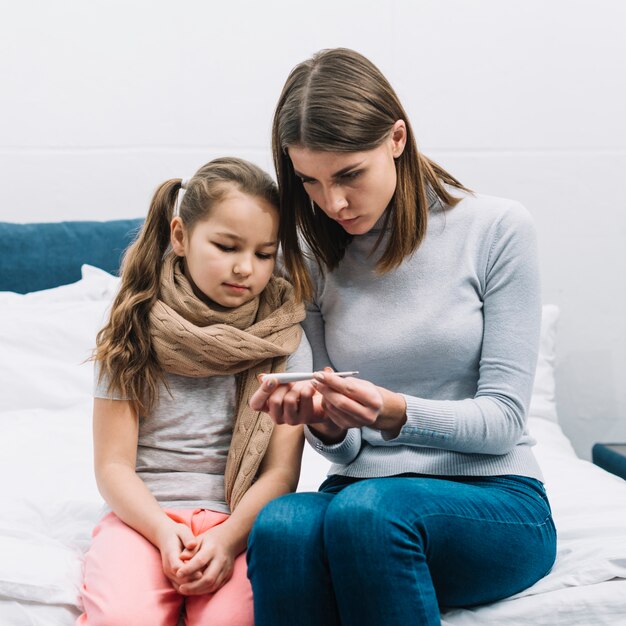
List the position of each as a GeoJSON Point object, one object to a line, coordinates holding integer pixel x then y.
{"type": "Point", "coordinates": [432, 293]}
{"type": "Point", "coordinates": [182, 461]}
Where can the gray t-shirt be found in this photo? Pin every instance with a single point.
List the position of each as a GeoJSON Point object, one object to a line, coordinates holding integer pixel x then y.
{"type": "Point", "coordinates": [183, 444]}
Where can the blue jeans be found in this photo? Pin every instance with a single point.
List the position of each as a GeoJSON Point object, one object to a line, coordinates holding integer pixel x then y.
{"type": "Point", "coordinates": [392, 551]}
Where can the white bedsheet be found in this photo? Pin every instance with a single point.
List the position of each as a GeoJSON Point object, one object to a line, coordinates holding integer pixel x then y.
{"type": "Point", "coordinates": [50, 503]}
{"type": "Point", "coordinates": [587, 584]}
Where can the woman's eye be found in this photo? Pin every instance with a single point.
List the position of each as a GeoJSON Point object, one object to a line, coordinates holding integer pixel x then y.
{"type": "Point", "coordinates": [307, 181]}
{"type": "Point", "coordinates": [352, 175]}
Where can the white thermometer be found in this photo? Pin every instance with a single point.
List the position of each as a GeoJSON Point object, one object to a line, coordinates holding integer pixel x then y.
{"type": "Point", "coordinates": [293, 377]}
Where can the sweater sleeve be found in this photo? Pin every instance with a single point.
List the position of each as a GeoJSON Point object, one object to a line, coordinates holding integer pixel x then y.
{"type": "Point", "coordinates": [347, 450]}
{"type": "Point", "coordinates": [493, 421]}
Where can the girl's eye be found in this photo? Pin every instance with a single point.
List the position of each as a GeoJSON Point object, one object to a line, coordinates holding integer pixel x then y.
{"type": "Point", "coordinates": [224, 248]}
{"type": "Point", "coordinates": [265, 256]}
{"type": "Point", "coordinates": [307, 181]}
{"type": "Point", "coordinates": [351, 175]}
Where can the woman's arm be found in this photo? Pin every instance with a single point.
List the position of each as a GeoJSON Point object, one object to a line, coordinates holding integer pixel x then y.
{"type": "Point", "coordinates": [333, 440]}
{"type": "Point", "coordinates": [298, 403]}
{"type": "Point", "coordinates": [492, 421]}
{"type": "Point", "coordinates": [115, 435]}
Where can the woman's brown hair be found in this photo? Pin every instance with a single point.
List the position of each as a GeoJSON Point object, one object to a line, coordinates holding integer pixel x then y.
{"type": "Point", "coordinates": [124, 348]}
{"type": "Point", "coordinates": [339, 101]}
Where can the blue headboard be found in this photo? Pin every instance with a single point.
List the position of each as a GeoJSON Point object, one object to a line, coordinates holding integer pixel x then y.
{"type": "Point", "coordinates": [45, 255]}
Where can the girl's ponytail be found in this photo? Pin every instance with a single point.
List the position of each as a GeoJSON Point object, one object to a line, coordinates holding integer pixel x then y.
{"type": "Point", "coordinates": [141, 266]}
{"type": "Point", "coordinates": [123, 346]}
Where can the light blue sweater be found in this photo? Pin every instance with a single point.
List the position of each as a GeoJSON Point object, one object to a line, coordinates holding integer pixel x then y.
{"type": "Point", "coordinates": [455, 329]}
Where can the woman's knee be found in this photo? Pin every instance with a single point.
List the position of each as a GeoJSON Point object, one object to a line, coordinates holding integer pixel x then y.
{"type": "Point", "coordinates": [368, 501]}
{"type": "Point", "coordinates": [370, 512]}
{"type": "Point", "coordinates": [295, 516]}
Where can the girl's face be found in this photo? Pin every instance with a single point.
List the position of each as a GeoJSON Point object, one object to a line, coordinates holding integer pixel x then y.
{"type": "Point", "coordinates": [352, 188]}
{"type": "Point", "coordinates": [230, 255]}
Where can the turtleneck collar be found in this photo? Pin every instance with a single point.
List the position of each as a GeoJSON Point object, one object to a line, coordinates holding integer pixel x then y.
{"type": "Point", "coordinates": [433, 203]}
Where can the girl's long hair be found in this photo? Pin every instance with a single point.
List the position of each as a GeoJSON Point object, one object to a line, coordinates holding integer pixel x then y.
{"type": "Point", "coordinates": [124, 348]}
{"type": "Point", "coordinates": [339, 101]}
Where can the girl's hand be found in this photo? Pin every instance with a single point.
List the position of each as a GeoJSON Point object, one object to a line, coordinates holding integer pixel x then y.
{"type": "Point", "coordinates": [354, 403]}
{"type": "Point", "coordinates": [174, 541]}
{"type": "Point", "coordinates": [210, 567]}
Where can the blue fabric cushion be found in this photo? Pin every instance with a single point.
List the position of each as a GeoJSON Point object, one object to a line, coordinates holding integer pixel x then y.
{"type": "Point", "coordinates": [45, 255]}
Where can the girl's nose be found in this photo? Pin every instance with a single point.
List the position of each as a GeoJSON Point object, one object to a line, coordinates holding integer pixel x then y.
{"type": "Point", "coordinates": [243, 266]}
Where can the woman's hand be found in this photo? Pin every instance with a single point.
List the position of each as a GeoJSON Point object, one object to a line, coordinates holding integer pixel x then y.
{"type": "Point", "coordinates": [331, 405]}
{"type": "Point", "coordinates": [354, 403]}
{"type": "Point", "coordinates": [296, 403]}
{"type": "Point", "coordinates": [209, 566]}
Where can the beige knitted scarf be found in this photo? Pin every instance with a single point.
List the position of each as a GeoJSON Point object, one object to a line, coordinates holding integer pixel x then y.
{"type": "Point", "coordinates": [193, 338]}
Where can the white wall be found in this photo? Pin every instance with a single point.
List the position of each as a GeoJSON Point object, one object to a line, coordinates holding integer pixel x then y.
{"type": "Point", "coordinates": [101, 101]}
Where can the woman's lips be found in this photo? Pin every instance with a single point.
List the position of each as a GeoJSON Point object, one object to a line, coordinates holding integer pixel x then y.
{"type": "Point", "coordinates": [348, 221]}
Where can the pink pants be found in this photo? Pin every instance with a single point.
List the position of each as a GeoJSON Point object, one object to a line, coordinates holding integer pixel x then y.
{"type": "Point", "coordinates": [124, 581]}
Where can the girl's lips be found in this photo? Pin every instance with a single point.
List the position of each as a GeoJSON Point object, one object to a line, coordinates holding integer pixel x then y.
{"type": "Point", "coordinates": [348, 221]}
{"type": "Point", "coordinates": [236, 287]}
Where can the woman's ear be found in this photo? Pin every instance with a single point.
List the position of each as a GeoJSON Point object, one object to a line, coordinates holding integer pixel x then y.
{"type": "Point", "coordinates": [178, 236]}
{"type": "Point", "coordinates": [398, 138]}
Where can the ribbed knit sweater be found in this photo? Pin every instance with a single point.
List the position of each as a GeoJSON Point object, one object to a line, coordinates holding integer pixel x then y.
{"type": "Point", "coordinates": [455, 329]}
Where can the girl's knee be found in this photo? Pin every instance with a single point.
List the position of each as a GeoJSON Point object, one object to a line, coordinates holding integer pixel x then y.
{"type": "Point", "coordinates": [230, 605]}
{"type": "Point", "coordinates": [236, 614]}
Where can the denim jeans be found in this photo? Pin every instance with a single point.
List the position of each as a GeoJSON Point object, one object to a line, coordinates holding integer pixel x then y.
{"type": "Point", "coordinates": [392, 551]}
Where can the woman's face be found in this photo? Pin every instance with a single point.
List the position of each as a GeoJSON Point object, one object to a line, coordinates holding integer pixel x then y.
{"type": "Point", "coordinates": [230, 255]}
{"type": "Point", "coordinates": [352, 188]}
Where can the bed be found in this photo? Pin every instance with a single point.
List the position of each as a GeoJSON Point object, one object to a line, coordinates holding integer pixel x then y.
{"type": "Point", "coordinates": [56, 283]}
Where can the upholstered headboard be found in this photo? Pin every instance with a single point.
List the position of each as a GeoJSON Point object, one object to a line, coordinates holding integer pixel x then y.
{"type": "Point", "coordinates": [45, 255]}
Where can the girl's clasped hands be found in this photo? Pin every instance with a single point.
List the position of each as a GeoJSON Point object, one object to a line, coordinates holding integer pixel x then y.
{"type": "Point", "coordinates": [195, 565]}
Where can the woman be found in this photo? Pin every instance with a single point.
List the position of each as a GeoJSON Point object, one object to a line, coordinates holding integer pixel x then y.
{"type": "Point", "coordinates": [434, 498]}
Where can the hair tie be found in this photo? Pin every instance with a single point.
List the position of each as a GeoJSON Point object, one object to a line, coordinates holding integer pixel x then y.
{"type": "Point", "coordinates": [184, 183]}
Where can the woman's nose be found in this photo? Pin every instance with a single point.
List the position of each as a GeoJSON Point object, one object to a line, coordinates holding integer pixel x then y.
{"type": "Point", "coordinates": [334, 201]}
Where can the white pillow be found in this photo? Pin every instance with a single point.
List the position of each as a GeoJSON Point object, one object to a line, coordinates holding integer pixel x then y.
{"type": "Point", "coordinates": [47, 338]}
{"type": "Point", "coordinates": [95, 284]}
{"type": "Point", "coordinates": [543, 400]}
{"type": "Point", "coordinates": [100, 284]}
